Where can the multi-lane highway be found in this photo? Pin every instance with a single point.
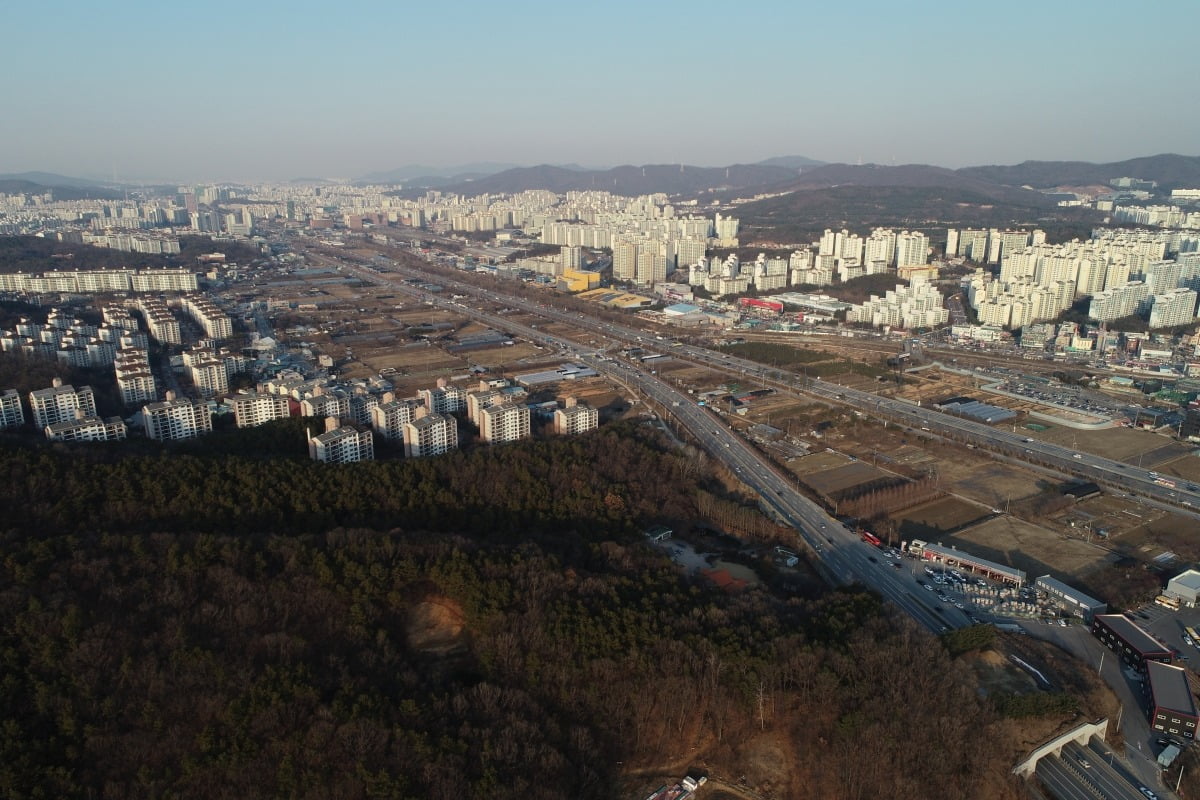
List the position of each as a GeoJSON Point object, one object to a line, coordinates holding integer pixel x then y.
{"type": "Point", "coordinates": [839, 553]}
{"type": "Point", "coordinates": [1129, 479]}
{"type": "Point", "coordinates": [1088, 773]}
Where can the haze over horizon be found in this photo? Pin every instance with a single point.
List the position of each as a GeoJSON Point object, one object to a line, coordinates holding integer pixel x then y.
{"type": "Point", "coordinates": [270, 91]}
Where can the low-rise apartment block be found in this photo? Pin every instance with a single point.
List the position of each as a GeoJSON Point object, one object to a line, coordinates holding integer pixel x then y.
{"type": "Point", "coordinates": [86, 428]}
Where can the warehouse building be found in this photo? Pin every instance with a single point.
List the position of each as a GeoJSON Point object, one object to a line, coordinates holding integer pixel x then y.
{"type": "Point", "coordinates": [1124, 637]}
{"type": "Point", "coordinates": [1172, 707]}
{"type": "Point", "coordinates": [1184, 587]}
{"type": "Point", "coordinates": [1069, 598]}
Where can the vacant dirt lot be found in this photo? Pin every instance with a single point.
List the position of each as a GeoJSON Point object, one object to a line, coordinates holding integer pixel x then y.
{"type": "Point", "coordinates": [937, 517]}
{"type": "Point", "coordinates": [1011, 541]}
{"type": "Point", "coordinates": [1122, 444]}
{"type": "Point", "coordinates": [990, 482]}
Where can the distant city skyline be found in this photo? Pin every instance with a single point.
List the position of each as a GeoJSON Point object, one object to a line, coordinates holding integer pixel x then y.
{"type": "Point", "coordinates": [273, 91]}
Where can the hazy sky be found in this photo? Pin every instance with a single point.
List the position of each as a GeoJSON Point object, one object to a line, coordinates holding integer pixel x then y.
{"type": "Point", "coordinates": [263, 90]}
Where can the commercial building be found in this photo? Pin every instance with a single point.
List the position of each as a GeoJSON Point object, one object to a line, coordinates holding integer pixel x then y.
{"type": "Point", "coordinates": [250, 410]}
{"type": "Point", "coordinates": [1127, 639]}
{"type": "Point", "coordinates": [957, 558]}
{"type": "Point", "coordinates": [172, 419]}
{"type": "Point", "coordinates": [12, 413]}
{"type": "Point", "coordinates": [341, 445]}
{"type": "Point", "coordinates": [1172, 707]}
{"type": "Point", "coordinates": [60, 402]}
{"type": "Point", "coordinates": [1069, 598]}
{"type": "Point", "coordinates": [567, 372]}
{"type": "Point", "coordinates": [430, 434]}
{"type": "Point", "coordinates": [506, 422]}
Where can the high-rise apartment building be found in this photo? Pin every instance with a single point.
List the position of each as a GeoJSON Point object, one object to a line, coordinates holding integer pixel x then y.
{"type": "Point", "coordinates": [390, 416]}
{"type": "Point", "coordinates": [341, 445]}
{"type": "Point", "coordinates": [575, 418]}
{"type": "Point", "coordinates": [12, 413]}
{"type": "Point", "coordinates": [175, 419]}
{"type": "Point", "coordinates": [60, 402]}
{"type": "Point", "coordinates": [912, 249]}
{"type": "Point", "coordinates": [506, 422]}
{"type": "Point", "coordinates": [135, 380]}
{"type": "Point", "coordinates": [1176, 307]}
{"type": "Point", "coordinates": [430, 434]}
{"type": "Point", "coordinates": [445, 399]}
{"type": "Point", "coordinates": [250, 410]}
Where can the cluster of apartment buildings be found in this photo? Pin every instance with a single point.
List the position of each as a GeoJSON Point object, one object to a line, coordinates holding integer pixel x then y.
{"type": "Point", "coordinates": [1160, 216]}
{"type": "Point", "coordinates": [64, 413]}
{"type": "Point", "coordinates": [918, 305]}
{"type": "Point", "coordinates": [425, 425]}
{"type": "Point", "coordinates": [1124, 272]}
{"type": "Point", "coordinates": [838, 256]}
{"type": "Point", "coordinates": [100, 281]}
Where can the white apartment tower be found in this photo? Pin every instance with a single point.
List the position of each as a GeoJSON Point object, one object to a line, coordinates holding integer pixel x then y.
{"type": "Point", "coordinates": [912, 249]}
{"type": "Point", "coordinates": [575, 419]}
{"type": "Point", "coordinates": [507, 422]}
{"type": "Point", "coordinates": [135, 381]}
{"type": "Point", "coordinates": [172, 419]}
{"type": "Point", "coordinates": [390, 416]}
{"type": "Point", "coordinates": [1176, 307]}
{"type": "Point", "coordinates": [445, 399]}
{"type": "Point", "coordinates": [11, 412]}
{"type": "Point", "coordinates": [430, 435]}
{"type": "Point", "coordinates": [86, 428]}
{"type": "Point", "coordinates": [341, 445]}
{"type": "Point", "coordinates": [250, 410]}
{"type": "Point", "coordinates": [625, 256]}
{"type": "Point", "coordinates": [60, 402]}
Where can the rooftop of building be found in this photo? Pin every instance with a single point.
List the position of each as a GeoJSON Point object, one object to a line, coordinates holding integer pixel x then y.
{"type": "Point", "coordinates": [1169, 686]}
{"type": "Point", "coordinates": [1133, 634]}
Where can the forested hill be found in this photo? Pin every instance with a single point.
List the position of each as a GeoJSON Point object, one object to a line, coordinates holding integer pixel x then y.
{"type": "Point", "coordinates": [488, 624]}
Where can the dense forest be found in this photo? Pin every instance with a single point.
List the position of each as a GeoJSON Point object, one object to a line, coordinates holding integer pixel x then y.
{"type": "Point", "coordinates": [214, 625]}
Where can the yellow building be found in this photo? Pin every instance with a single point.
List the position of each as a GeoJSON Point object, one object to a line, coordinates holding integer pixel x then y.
{"type": "Point", "coordinates": [577, 280]}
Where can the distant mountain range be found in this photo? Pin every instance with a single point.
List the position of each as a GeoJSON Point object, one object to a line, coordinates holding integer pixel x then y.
{"type": "Point", "coordinates": [673, 179]}
{"type": "Point", "coordinates": [1013, 185]}
{"type": "Point", "coordinates": [1007, 184]}
{"type": "Point", "coordinates": [61, 191]}
{"type": "Point", "coordinates": [51, 179]}
{"type": "Point", "coordinates": [1170, 170]}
